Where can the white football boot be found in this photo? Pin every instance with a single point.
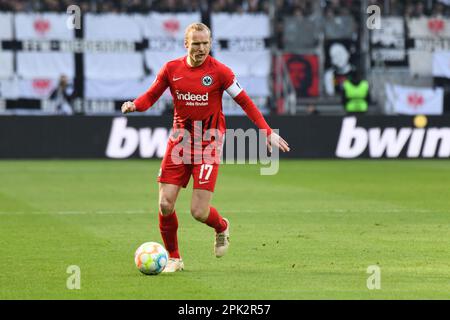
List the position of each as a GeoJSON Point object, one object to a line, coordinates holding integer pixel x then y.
{"type": "Point", "coordinates": [174, 265]}
{"type": "Point", "coordinates": [222, 241]}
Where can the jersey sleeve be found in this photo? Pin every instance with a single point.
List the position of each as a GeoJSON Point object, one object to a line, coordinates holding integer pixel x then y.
{"type": "Point", "coordinates": [227, 77]}
{"type": "Point", "coordinates": [252, 111]}
{"type": "Point", "coordinates": [155, 91]}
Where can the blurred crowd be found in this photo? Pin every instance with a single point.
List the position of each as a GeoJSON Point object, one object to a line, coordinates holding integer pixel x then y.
{"type": "Point", "coordinates": [142, 6]}
{"type": "Point", "coordinates": [299, 8]}
{"type": "Point", "coordinates": [414, 8]}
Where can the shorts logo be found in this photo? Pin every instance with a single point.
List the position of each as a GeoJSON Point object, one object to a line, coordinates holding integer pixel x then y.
{"type": "Point", "coordinates": [207, 81]}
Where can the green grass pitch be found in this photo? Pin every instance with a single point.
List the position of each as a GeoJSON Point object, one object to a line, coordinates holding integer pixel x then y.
{"type": "Point", "coordinates": [309, 232]}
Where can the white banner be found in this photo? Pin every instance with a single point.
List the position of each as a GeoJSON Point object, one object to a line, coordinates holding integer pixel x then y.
{"type": "Point", "coordinates": [111, 26]}
{"type": "Point", "coordinates": [441, 64]}
{"type": "Point", "coordinates": [412, 101]}
{"type": "Point", "coordinates": [429, 35]}
{"type": "Point", "coordinates": [37, 88]}
{"type": "Point", "coordinates": [27, 88]}
{"type": "Point", "coordinates": [9, 88]}
{"type": "Point", "coordinates": [6, 23]}
{"type": "Point", "coordinates": [229, 26]}
{"type": "Point", "coordinates": [7, 64]}
{"type": "Point", "coordinates": [123, 74]}
{"type": "Point", "coordinates": [48, 26]}
{"type": "Point", "coordinates": [52, 65]}
{"type": "Point", "coordinates": [113, 65]}
{"type": "Point", "coordinates": [420, 62]}
{"type": "Point", "coordinates": [240, 43]}
{"type": "Point", "coordinates": [428, 27]}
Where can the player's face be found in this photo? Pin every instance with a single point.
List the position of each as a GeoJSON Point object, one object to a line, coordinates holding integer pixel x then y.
{"type": "Point", "coordinates": [198, 45]}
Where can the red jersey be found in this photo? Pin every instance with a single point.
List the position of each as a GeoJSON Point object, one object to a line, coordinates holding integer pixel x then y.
{"type": "Point", "coordinates": [197, 94]}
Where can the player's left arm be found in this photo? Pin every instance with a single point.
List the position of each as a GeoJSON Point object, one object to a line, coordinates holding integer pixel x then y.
{"type": "Point", "coordinates": [241, 97]}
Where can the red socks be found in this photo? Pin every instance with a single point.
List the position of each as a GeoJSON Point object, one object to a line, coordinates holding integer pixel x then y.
{"type": "Point", "coordinates": [168, 226]}
{"type": "Point", "coordinates": [215, 220]}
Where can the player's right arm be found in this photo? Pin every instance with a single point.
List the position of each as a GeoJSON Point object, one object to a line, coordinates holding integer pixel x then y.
{"type": "Point", "coordinates": [232, 87]}
{"type": "Point", "coordinates": [155, 91]}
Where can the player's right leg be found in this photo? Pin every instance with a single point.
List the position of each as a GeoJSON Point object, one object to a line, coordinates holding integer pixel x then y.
{"type": "Point", "coordinates": [168, 225]}
{"type": "Point", "coordinates": [173, 175]}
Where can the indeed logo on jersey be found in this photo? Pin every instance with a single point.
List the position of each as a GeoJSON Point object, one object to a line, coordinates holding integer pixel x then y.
{"type": "Point", "coordinates": [192, 99]}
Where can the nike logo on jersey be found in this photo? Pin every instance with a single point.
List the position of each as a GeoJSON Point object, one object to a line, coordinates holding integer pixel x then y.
{"type": "Point", "coordinates": [176, 79]}
{"type": "Point", "coordinates": [202, 182]}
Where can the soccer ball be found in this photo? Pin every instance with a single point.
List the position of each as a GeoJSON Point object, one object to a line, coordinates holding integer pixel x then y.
{"type": "Point", "coordinates": [151, 258]}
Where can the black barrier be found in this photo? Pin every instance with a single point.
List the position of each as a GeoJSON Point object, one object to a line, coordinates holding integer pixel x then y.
{"type": "Point", "coordinates": [145, 137]}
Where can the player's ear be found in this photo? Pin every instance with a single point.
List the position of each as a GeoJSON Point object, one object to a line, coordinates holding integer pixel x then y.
{"type": "Point", "coordinates": [186, 40]}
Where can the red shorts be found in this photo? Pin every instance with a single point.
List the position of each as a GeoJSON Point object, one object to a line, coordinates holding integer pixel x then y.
{"type": "Point", "coordinates": [174, 172]}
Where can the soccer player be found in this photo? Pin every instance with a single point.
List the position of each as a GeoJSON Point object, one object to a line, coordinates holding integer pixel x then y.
{"type": "Point", "coordinates": [197, 82]}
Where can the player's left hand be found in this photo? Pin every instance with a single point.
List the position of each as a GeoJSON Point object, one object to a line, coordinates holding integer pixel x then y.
{"type": "Point", "coordinates": [277, 141]}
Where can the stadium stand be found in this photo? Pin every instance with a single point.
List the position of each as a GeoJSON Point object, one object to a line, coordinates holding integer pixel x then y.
{"type": "Point", "coordinates": [305, 51]}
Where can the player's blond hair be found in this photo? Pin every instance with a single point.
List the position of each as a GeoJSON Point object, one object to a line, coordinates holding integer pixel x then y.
{"type": "Point", "coordinates": [196, 26]}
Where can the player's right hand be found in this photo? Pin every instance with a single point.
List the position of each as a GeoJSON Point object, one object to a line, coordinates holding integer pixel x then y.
{"type": "Point", "coordinates": [128, 107]}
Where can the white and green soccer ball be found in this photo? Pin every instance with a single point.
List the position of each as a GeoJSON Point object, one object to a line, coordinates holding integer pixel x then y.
{"type": "Point", "coordinates": [151, 258]}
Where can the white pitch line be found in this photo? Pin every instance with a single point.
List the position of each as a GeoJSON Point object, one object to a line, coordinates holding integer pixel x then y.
{"type": "Point", "coordinates": [237, 211]}
{"type": "Point", "coordinates": [73, 212]}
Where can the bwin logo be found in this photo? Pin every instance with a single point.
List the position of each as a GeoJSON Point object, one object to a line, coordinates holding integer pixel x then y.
{"type": "Point", "coordinates": [420, 142]}
{"type": "Point", "coordinates": [124, 141]}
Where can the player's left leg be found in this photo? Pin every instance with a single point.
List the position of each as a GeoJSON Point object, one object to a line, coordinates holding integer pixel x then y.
{"type": "Point", "coordinates": [202, 211]}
